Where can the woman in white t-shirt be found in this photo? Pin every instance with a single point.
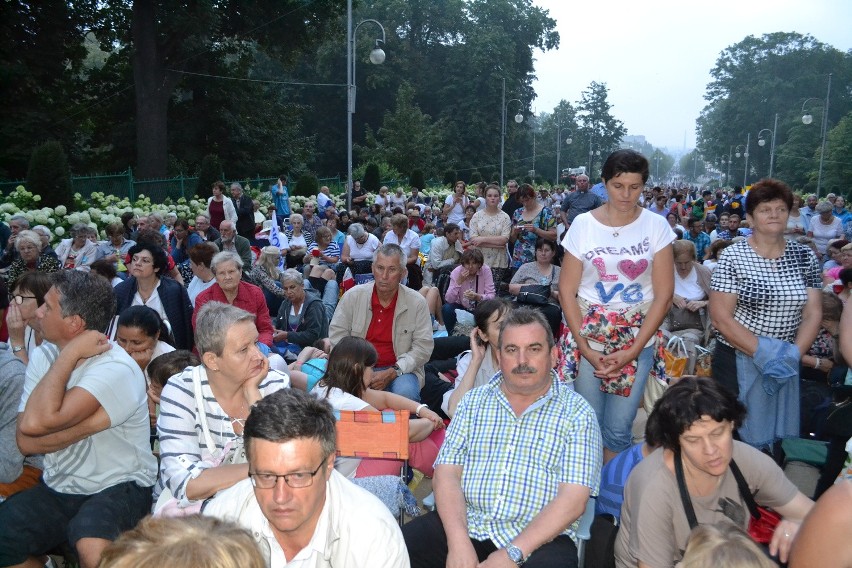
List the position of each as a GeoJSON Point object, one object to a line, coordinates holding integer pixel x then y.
{"type": "Point", "coordinates": [346, 386]}
{"type": "Point", "coordinates": [619, 267]}
{"type": "Point", "coordinates": [455, 203]}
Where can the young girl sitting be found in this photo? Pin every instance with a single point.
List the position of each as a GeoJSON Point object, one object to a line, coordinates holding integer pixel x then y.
{"type": "Point", "coordinates": [346, 387]}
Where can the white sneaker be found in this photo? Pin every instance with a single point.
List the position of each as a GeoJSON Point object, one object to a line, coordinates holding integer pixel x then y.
{"type": "Point", "coordinates": [441, 328]}
{"type": "Point", "coordinates": [434, 325]}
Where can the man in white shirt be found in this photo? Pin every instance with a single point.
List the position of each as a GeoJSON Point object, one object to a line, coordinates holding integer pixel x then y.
{"type": "Point", "coordinates": [300, 510]}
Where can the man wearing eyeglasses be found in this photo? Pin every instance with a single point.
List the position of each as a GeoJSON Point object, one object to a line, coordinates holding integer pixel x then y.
{"type": "Point", "coordinates": [299, 509]}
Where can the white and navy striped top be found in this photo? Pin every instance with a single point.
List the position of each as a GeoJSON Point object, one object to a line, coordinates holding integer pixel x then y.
{"type": "Point", "coordinates": [183, 451]}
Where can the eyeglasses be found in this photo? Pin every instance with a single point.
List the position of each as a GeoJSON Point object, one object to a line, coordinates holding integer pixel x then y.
{"type": "Point", "coordinates": [295, 480]}
{"type": "Point", "coordinates": [19, 298]}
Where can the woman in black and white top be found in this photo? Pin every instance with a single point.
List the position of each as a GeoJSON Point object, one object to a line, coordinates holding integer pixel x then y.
{"type": "Point", "coordinates": [218, 394]}
{"type": "Point", "coordinates": [763, 287]}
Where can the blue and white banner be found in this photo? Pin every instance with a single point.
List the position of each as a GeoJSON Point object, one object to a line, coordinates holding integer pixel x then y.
{"type": "Point", "coordinates": [277, 239]}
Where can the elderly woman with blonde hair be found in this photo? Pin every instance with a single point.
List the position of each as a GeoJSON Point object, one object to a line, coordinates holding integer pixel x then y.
{"type": "Point", "coordinates": [725, 545]}
{"type": "Point", "coordinates": [266, 273]}
{"type": "Point", "coordinates": [300, 240]}
{"type": "Point", "coordinates": [184, 543]}
{"type": "Point", "coordinates": [30, 258]}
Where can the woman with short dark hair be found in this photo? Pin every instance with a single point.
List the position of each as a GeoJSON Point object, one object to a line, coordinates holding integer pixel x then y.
{"type": "Point", "coordinates": [471, 282]}
{"type": "Point", "coordinates": [147, 286]}
{"type": "Point", "coordinates": [182, 239]}
{"type": "Point", "coordinates": [530, 222]}
{"type": "Point", "coordinates": [693, 479]}
{"type": "Point", "coordinates": [615, 288]}
{"type": "Point", "coordinates": [543, 272]}
{"type": "Point", "coordinates": [765, 307]}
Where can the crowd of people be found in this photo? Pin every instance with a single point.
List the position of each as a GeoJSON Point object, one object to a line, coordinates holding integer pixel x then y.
{"type": "Point", "coordinates": [187, 367]}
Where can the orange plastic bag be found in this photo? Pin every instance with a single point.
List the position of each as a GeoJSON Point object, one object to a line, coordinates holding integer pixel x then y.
{"type": "Point", "coordinates": [676, 357]}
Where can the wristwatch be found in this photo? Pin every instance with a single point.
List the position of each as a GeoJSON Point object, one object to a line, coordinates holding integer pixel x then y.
{"type": "Point", "coordinates": [516, 555]}
{"type": "Point", "coordinates": [397, 370]}
{"type": "Point", "coordinates": [17, 348]}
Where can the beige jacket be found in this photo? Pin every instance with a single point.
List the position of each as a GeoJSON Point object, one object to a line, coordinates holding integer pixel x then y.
{"type": "Point", "coordinates": [412, 326]}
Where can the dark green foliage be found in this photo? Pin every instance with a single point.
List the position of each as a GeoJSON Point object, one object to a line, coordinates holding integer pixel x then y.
{"type": "Point", "coordinates": [495, 177]}
{"type": "Point", "coordinates": [307, 186]}
{"type": "Point", "coordinates": [210, 171]}
{"type": "Point", "coordinates": [371, 181]}
{"type": "Point", "coordinates": [417, 179]}
{"type": "Point", "coordinates": [475, 176]}
{"type": "Point", "coordinates": [49, 175]}
{"type": "Point", "coordinates": [449, 177]}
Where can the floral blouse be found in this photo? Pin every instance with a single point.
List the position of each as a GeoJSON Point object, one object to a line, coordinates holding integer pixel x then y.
{"type": "Point", "coordinates": [524, 250]}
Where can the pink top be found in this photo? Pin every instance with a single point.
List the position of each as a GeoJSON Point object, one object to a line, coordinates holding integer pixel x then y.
{"type": "Point", "coordinates": [483, 284]}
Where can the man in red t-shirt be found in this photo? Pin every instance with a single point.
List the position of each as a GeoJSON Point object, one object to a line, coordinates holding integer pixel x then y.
{"type": "Point", "coordinates": [394, 319]}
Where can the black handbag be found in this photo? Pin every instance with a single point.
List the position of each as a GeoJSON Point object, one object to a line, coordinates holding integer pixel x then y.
{"type": "Point", "coordinates": [534, 294]}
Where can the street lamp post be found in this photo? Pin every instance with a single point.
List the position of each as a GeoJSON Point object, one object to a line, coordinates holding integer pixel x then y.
{"type": "Point", "coordinates": [592, 154]}
{"type": "Point", "coordinates": [762, 142]}
{"type": "Point", "coordinates": [657, 168]}
{"type": "Point", "coordinates": [568, 140]}
{"type": "Point", "coordinates": [720, 161]}
{"type": "Point", "coordinates": [377, 57]}
{"type": "Point", "coordinates": [694, 165]}
{"type": "Point", "coordinates": [808, 118]}
{"type": "Point", "coordinates": [738, 153]}
{"type": "Point", "coordinates": [519, 118]}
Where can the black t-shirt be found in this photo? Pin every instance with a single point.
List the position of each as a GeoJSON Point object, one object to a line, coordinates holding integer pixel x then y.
{"type": "Point", "coordinates": [360, 192]}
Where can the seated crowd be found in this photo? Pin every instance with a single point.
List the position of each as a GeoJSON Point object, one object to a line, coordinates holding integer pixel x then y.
{"type": "Point", "coordinates": [192, 369]}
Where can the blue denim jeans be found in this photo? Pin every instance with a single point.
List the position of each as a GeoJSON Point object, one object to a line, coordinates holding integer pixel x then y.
{"type": "Point", "coordinates": [449, 312]}
{"type": "Point", "coordinates": [615, 412]}
{"type": "Point", "coordinates": [405, 385]}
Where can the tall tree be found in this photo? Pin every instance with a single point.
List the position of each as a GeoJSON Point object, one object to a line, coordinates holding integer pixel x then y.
{"type": "Point", "coordinates": [759, 77]}
{"type": "Point", "coordinates": [601, 131]}
{"type": "Point", "coordinates": [455, 54]}
{"type": "Point", "coordinates": [171, 37]}
{"type": "Point", "coordinates": [41, 56]}
{"type": "Point", "coordinates": [838, 158]}
{"type": "Point", "coordinates": [408, 138]}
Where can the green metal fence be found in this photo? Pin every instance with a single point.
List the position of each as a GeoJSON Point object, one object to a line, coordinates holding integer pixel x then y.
{"type": "Point", "coordinates": [123, 185]}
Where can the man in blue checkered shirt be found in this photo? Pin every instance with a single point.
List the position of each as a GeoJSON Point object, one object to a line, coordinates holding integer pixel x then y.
{"type": "Point", "coordinates": [521, 459]}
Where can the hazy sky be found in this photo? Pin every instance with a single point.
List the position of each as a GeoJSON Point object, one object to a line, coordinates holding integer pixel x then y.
{"type": "Point", "coordinates": [656, 56]}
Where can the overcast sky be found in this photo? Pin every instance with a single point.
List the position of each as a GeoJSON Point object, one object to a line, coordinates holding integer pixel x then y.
{"type": "Point", "coordinates": [656, 56]}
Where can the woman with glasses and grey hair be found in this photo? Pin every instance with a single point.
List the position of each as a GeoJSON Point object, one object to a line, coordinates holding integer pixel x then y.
{"type": "Point", "coordinates": [78, 252]}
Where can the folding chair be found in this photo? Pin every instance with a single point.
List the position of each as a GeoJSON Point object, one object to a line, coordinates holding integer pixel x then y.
{"type": "Point", "coordinates": [373, 434]}
{"type": "Point", "coordinates": [584, 529]}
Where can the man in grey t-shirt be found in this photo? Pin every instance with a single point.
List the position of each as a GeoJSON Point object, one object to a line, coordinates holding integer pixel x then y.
{"type": "Point", "coordinates": [84, 406]}
{"type": "Point", "coordinates": [579, 201]}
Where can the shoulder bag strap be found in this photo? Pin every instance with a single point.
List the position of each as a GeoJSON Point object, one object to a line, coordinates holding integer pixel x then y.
{"type": "Point", "coordinates": [199, 405]}
{"type": "Point", "coordinates": [684, 494]}
{"type": "Point", "coordinates": [745, 492]}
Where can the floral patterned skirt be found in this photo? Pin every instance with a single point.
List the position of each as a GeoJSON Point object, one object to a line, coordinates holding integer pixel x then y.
{"type": "Point", "coordinates": [614, 330]}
